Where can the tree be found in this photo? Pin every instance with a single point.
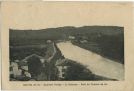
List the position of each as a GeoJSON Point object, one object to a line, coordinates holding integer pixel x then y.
{"type": "Point", "coordinates": [34, 66]}
{"type": "Point", "coordinates": [77, 71]}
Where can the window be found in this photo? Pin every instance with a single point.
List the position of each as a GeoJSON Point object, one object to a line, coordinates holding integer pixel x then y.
{"type": "Point", "coordinates": [63, 75]}
{"type": "Point", "coordinates": [63, 70]}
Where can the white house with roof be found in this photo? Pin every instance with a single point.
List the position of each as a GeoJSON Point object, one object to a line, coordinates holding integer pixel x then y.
{"type": "Point", "coordinates": [62, 65]}
{"type": "Point", "coordinates": [15, 70]}
{"type": "Point", "coordinates": [23, 65]}
{"type": "Point", "coordinates": [71, 37]}
{"type": "Point", "coordinates": [27, 74]}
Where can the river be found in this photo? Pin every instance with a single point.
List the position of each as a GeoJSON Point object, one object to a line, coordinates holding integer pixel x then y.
{"type": "Point", "coordinates": [96, 63]}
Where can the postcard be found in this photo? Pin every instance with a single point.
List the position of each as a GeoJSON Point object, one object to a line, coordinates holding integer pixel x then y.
{"type": "Point", "coordinates": [67, 46]}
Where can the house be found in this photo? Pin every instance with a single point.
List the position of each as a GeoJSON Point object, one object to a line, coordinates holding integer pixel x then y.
{"type": "Point", "coordinates": [16, 61]}
{"type": "Point", "coordinates": [15, 71]}
{"type": "Point", "coordinates": [26, 59]}
{"type": "Point", "coordinates": [20, 68]}
{"type": "Point", "coordinates": [83, 41]}
{"type": "Point", "coordinates": [33, 56]}
{"type": "Point", "coordinates": [23, 65]}
{"type": "Point", "coordinates": [62, 65]}
{"type": "Point", "coordinates": [71, 37]}
{"type": "Point", "coordinates": [42, 59]}
{"type": "Point", "coordinates": [14, 67]}
{"type": "Point", "coordinates": [27, 74]}
{"type": "Point", "coordinates": [49, 41]}
{"type": "Point", "coordinates": [32, 64]}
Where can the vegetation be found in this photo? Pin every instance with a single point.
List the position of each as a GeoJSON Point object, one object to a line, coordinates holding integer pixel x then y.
{"type": "Point", "coordinates": [107, 41]}
{"type": "Point", "coordinates": [77, 71]}
{"type": "Point", "coordinates": [34, 66]}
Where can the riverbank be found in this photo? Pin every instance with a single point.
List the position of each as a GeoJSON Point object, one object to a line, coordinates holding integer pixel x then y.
{"type": "Point", "coordinates": [96, 63]}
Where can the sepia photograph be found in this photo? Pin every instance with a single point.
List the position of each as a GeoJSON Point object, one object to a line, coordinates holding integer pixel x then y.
{"type": "Point", "coordinates": [91, 53]}
{"type": "Point", "coordinates": [67, 46]}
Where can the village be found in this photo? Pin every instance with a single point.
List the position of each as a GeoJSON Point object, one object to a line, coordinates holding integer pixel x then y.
{"type": "Point", "coordinates": [52, 66]}
{"type": "Point", "coordinates": [31, 67]}
{"type": "Point", "coordinates": [20, 70]}
{"type": "Point", "coordinates": [61, 60]}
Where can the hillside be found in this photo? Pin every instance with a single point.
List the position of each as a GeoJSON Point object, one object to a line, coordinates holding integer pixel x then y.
{"type": "Point", "coordinates": [61, 33]}
{"type": "Point", "coordinates": [107, 41]}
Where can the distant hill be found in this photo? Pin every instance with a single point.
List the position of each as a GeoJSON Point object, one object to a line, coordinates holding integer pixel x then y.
{"type": "Point", "coordinates": [62, 32]}
{"type": "Point", "coordinates": [109, 39]}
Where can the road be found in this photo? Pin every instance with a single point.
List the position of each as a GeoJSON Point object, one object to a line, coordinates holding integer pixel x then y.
{"type": "Point", "coordinates": [54, 52]}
